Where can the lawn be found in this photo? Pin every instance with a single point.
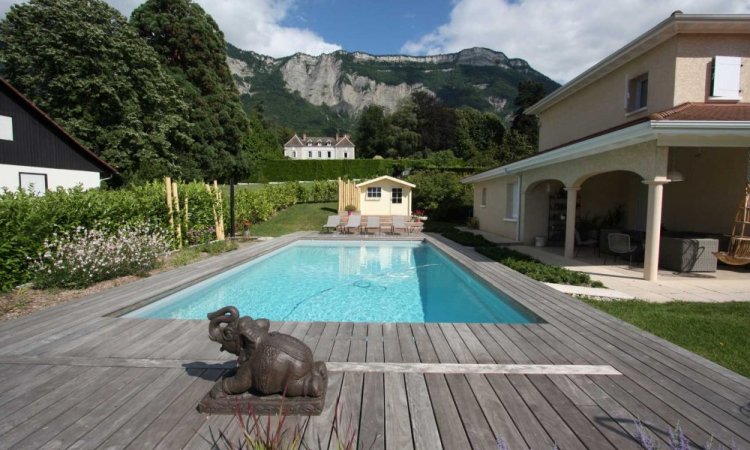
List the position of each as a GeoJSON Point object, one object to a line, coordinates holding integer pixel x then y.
{"type": "Point", "coordinates": [299, 217]}
{"type": "Point", "coordinates": [717, 331]}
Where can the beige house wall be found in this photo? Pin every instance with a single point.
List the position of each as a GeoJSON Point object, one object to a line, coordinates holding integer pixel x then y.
{"type": "Point", "coordinates": [602, 104]}
{"type": "Point", "coordinates": [695, 54]}
{"type": "Point", "coordinates": [707, 200]}
{"type": "Point", "coordinates": [383, 206]}
{"type": "Point", "coordinates": [492, 215]}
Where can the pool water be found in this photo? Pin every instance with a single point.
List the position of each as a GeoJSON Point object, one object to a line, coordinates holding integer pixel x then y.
{"type": "Point", "coordinates": [346, 281]}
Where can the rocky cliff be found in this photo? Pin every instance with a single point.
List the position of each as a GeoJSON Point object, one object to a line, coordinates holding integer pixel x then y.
{"type": "Point", "coordinates": [320, 93]}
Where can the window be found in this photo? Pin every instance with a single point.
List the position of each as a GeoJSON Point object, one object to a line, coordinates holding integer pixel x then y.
{"type": "Point", "coordinates": [309, 144]}
{"type": "Point", "coordinates": [484, 197]}
{"type": "Point", "coordinates": [329, 154]}
{"type": "Point", "coordinates": [328, 144]}
{"type": "Point", "coordinates": [637, 92]}
{"type": "Point", "coordinates": [309, 154]}
{"type": "Point", "coordinates": [511, 201]}
{"type": "Point", "coordinates": [373, 193]}
{"type": "Point", "coordinates": [320, 154]}
{"type": "Point", "coordinates": [34, 182]}
{"type": "Point", "coordinates": [294, 154]}
{"type": "Point", "coordinates": [346, 155]}
{"type": "Point", "coordinates": [6, 128]}
{"type": "Point", "coordinates": [397, 195]}
{"type": "Point", "coordinates": [725, 78]}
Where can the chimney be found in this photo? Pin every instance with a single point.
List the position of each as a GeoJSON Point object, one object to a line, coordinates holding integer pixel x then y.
{"type": "Point", "coordinates": [304, 136]}
{"type": "Point", "coordinates": [337, 135]}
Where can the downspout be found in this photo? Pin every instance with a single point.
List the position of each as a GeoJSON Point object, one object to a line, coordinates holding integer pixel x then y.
{"type": "Point", "coordinates": [518, 219]}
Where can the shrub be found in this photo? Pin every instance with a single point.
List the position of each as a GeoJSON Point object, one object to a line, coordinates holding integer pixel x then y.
{"type": "Point", "coordinates": [83, 257]}
{"type": "Point", "coordinates": [534, 268]}
{"type": "Point", "coordinates": [442, 194]}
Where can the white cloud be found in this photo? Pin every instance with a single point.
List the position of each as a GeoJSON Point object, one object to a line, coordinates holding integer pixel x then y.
{"type": "Point", "coordinates": [248, 24]}
{"type": "Point", "coordinates": [559, 38]}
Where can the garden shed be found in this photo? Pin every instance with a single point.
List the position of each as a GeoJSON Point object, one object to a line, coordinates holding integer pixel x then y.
{"type": "Point", "coordinates": [385, 196]}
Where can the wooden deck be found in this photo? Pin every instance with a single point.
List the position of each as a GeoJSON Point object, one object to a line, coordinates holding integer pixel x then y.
{"type": "Point", "coordinates": [76, 376]}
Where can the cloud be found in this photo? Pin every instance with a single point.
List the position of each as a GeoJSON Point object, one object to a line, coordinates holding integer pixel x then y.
{"type": "Point", "coordinates": [559, 38]}
{"type": "Point", "coordinates": [248, 24]}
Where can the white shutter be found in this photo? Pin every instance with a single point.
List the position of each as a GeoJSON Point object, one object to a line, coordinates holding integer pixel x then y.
{"type": "Point", "coordinates": [726, 77]}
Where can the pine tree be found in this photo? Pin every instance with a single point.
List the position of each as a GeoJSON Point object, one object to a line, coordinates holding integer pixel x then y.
{"type": "Point", "coordinates": [89, 70]}
{"type": "Point", "coordinates": [191, 45]}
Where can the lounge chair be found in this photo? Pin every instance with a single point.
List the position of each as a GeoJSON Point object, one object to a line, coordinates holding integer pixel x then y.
{"type": "Point", "coordinates": [334, 222]}
{"type": "Point", "coordinates": [354, 222]}
{"type": "Point", "coordinates": [399, 223]}
{"type": "Point", "coordinates": [373, 222]}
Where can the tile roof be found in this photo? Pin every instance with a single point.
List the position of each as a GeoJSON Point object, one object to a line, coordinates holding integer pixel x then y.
{"type": "Point", "coordinates": [342, 141]}
{"type": "Point", "coordinates": [705, 111]}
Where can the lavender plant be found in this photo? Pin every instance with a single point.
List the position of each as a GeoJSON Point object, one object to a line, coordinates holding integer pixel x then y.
{"type": "Point", "coordinates": [82, 257]}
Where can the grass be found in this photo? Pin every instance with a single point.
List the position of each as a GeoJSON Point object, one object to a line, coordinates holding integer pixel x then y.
{"type": "Point", "coordinates": [191, 254]}
{"type": "Point", "coordinates": [299, 217]}
{"type": "Point", "coordinates": [717, 331]}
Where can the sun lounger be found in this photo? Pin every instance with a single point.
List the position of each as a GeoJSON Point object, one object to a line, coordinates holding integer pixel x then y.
{"type": "Point", "coordinates": [334, 222]}
{"type": "Point", "coordinates": [373, 222]}
{"type": "Point", "coordinates": [354, 222]}
{"type": "Point", "coordinates": [399, 223]}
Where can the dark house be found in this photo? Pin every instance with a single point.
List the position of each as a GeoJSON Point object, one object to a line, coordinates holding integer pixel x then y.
{"type": "Point", "coordinates": [35, 151]}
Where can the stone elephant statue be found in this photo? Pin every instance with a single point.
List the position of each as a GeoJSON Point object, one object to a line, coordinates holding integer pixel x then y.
{"type": "Point", "coordinates": [268, 363]}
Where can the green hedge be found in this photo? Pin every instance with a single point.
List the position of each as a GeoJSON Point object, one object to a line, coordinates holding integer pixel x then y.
{"type": "Point", "coordinates": [27, 220]}
{"type": "Point", "coordinates": [307, 170]}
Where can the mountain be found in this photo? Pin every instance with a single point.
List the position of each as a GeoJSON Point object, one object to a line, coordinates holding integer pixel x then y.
{"type": "Point", "coordinates": [320, 94]}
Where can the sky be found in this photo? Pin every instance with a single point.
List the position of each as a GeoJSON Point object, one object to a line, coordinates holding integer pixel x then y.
{"type": "Point", "coordinates": [560, 38]}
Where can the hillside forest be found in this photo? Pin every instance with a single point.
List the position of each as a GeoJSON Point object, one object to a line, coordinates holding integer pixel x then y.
{"type": "Point", "coordinates": [153, 96]}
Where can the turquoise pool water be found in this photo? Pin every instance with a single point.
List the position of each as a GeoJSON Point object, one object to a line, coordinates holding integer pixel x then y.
{"type": "Point", "coordinates": [346, 281]}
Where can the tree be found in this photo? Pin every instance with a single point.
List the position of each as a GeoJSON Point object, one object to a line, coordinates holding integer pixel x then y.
{"type": "Point", "coordinates": [479, 136]}
{"type": "Point", "coordinates": [191, 45]}
{"type": "Point", "coordinates": [370, 134]}
{"type": "Point", "coordinates": [529, 92]}
{"type": "Point", "coordinates": [89, 70]}
{"type": "Point", "coordinates": [435, 123]}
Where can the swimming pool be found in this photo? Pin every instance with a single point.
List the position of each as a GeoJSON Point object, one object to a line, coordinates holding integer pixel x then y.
{"type": "Point", "coordinates": [346, 281]}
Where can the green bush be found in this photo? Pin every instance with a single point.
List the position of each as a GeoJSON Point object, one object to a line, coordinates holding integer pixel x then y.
{"type": "Point", "coordinates": [314, 169]}
{"type": "Point", "coordinates": [442, 195]}
{"type": "Point", "coordinates": [467, 239]}
{"type": "Point", "coordinates": [536, 269]}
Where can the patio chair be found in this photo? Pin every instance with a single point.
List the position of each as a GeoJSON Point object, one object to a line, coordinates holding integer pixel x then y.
{"type": "Point", "coordinates": [373, 222]}
{"type": "Point", "coordinates": [590, 242]}
{"type": "Point", "coordinates": [399, 223]}
{"type": "Point", "coordinates": [354, 222]}
{"type": "Point", "coordinates": [619, 245]}
{"type": "Point", "coordinates": [334, 222]}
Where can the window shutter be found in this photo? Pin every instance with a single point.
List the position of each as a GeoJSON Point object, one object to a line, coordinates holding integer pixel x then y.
{"type": "Point", "coordinates": [726, 82]}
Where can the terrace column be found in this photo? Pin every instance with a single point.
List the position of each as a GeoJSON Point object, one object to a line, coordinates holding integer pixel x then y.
{"type": "Point", "coordinates": [570, 221]}
{"type": "Point", "coordinates": [653, 228]}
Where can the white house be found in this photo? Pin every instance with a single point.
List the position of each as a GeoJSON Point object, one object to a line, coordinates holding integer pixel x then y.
{"type": "Point", "coordinates": [308, 147]}
{"type": "Point", "coordinates": [385, 196]}
{"type": "Point", "coordinates": [36, 152]}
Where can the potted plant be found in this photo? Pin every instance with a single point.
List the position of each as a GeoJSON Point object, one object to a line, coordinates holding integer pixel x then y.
{"type": "Point", "coordinates": [350, 209]}
{"type": "Point", "coordinates": [246, 228]}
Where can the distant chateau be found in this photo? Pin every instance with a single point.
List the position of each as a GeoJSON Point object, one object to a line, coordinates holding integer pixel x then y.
{"type": "Point", "coordinates": [340, 147]}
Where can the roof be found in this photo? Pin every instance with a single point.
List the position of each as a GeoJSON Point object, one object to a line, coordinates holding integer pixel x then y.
{"type": "Point", "coordinates": [677, 23]}
{"type": "Point", "coordinates": [705, 111]}
{"type": "Point", "coordinates": [712, 118]}
{"type": "Point", "coordinates": [385, 178]}
{"type": "Point", "coordinates": [43, 117]}
{"type": "Point", "coordinates": [340, 141]}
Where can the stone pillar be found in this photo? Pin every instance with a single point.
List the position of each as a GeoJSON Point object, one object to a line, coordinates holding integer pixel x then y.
{"type": "Point", "coordinates": [570, 221]}
{"type": "Point", "coordinates": [653, 228]}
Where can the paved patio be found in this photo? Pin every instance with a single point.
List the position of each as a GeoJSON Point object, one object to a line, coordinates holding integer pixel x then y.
{"type": "Point", "coordinates": [725, 285]}
{"type": "Point", "coordinates": [78, 376]}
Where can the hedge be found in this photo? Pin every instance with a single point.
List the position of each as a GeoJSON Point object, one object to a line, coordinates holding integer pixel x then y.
{"type": "Point", "coordinates": [314, 169]}
{"type": "Point", "coordinates": [26, 220]}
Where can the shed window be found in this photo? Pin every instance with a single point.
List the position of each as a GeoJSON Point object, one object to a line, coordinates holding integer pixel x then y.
{"type": "Point", "coordinates": [638, 92]}
{"type": "Point", "coordinates": [397, 195]}
{"type": "Point", "coordinates": [373, 193]}
{"type": "Point", "coordinates": [6, 128]}
{"type": "Point", "coordinates": [33, 182]}
{"type": "Point", "coordinates": [725, 79]}
{"type": "Point", "coordinates": [511, 200]}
